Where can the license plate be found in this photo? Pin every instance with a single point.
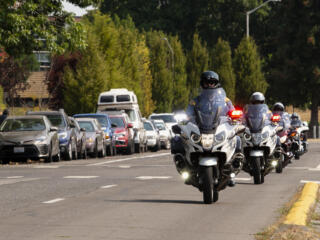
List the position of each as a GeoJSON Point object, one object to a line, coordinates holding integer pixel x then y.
{"type": "Point", "coordinates": [18, 150]}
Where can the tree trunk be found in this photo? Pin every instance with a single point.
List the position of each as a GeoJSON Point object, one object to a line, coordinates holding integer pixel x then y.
{"type": "Point", "coordinates": [314, 115]}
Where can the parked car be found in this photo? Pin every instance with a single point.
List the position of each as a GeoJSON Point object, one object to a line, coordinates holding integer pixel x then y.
{"type": "Point", "coordinates": [122, 99]}
{"type": "Point", "coordinates": [23, 137]}
{"type": "Point", "coordinates": [153, 137]}
{"type": "Point", "coordinates": [123, 132]}
{"type": "Point", "coordinates": [95, 143]}
{"type": "Point", "coordinates": [104, 120]}
{"type": "Point", "coordinates": [168, 119]}
{"type": "Point", "coordinates": [164, 133]}
{"type": "Point", "coordinates": [66, 132]}
{"type": "Point", "coordinates": [80, 139]}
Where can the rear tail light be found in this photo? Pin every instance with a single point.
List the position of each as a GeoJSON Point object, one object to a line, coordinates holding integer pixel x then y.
{"type": "Point", "coordinates": [275, 118]}
{"type": "Point", "coordinates": [235, 114]}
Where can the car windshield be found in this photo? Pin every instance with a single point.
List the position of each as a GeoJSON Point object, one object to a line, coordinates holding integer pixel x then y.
{"type": "Point", "coordinates": [101, 119]}
{"type": "Point", "coordinates": [17, 125]}
{"type": "Point", "coordinates": [160, 126]}
{"type": "Point", "coordinates": [165, 118]}
{"type": "Point", "coordinates": [56, 120]}
{"type": "Point", "coordinates": [148, 126]}
{"type": "Point", "coordinates": [88, 126]}
{"type": "Point", "coordinates": [118, 121]}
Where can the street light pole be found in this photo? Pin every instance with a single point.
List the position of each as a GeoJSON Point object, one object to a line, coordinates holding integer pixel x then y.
{"type": "Point", "coordinates": [172, 55]}
{"type": "Point", "coordinates": [255, 9]}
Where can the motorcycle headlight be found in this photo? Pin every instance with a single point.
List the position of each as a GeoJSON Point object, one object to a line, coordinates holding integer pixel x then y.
{"type": "Point", "coordinates": [63, 135]}
{"type": "Point", "coordinates": [220, 137]}
{"type": "Point", "coordinates": [195, 138]}
{"type": "Point", "coordinates": [265, 135]}
{"type": "Point", "coordinates": [207, 141]}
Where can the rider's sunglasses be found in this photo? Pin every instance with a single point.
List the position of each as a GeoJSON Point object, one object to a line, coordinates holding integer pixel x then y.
{"type": "Point", "coordinates": [211, 82]}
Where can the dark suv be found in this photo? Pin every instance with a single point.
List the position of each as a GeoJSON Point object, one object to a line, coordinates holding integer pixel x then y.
{"type": "Point", "coordinates": [66, 131]}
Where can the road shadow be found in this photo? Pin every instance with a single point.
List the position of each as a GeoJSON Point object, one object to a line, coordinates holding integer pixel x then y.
{"type": "Point", "coordinates": [159, 201]}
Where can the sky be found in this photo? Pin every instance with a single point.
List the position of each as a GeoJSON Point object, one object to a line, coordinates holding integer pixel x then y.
{"type": "Point", "coordinates": [75, 9]}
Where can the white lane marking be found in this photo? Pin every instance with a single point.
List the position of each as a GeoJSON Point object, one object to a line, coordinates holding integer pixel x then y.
{"type": "Point", "coordinates": [318, 166]}
{"type": "Point", "coordinates": [124, 166]}
{"type": "Point", "coordinates": [15, 177]}
{"type": "Point", "coordinates": [54, 200]}
{"type": "Point", "coordinates": [153, 177]}
{"type": "Point", "coordinates": [298, 168]}
{"type": "Point", "coordinates": [45, 166]}
{"type": "Point", "coordinates": [108, 186]}
{"type": "Point", "coordinates": [80, 177]}
{"type": "Point", "coordinates": [306, 181]}
{"type": "Point", "coordinates": [127, 159]}
{"type": "Point", "coordinates": [314, 169]}
{"type": "Point", "coordinates": [14, 180]}
{"type": "Point", "coordinates": [243, 179]}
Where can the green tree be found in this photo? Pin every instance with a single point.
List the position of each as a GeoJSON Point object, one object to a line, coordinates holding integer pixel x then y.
{"type": "Point", "coordinates": [30, 25]}
{"type": "Point", "coordinates": [83, 85]}
{"type": "Point", "coordinates": [2, 103]}
{"type": "Point", "coordinates": [221, 62]}
{"type": "Point", "coordinates": [197, 62]}
{"type": "Point", "coordinates": [295, 65]}
{"type": "Point", "coordinates": [161, 70]}
{"type": "Point", "coordinates": [248, 71]}
{"type": "Point", "coordinates": [180, 90]}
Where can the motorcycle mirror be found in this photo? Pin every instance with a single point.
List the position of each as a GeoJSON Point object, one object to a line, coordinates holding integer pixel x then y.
{"type": "Point", "coordinates": [240, 129]}
{"type": "Point", "coordinates": [176, 129]}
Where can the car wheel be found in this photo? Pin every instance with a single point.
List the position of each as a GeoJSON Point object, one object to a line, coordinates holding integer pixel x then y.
{"type": "Point", "coordinates": [109, 150]}
{"type": "Point", "coordinates": [49, 158]}
{"type": "Point", "coordinates": [168, 145]}
{"type": "Point", "coordinates": [68, 154]}
{"type": "Point", "coordinates": [95, 152]}
{"type": "Point", "coordinates": [137, 148]}
{"type": "Point", "coordinates": [57, 157]}
{"type": "Point", "coordinates": [75, 151]}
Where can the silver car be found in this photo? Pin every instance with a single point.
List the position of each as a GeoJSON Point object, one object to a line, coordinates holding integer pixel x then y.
{"type": "Point", "coordinates": [95, 143]}
{"type": "Point", "coordinates": [23, 137]}
{"type": "Point", "coordinates": [164, 133]}
{"type": "Point", "coordinates": [153, 139]}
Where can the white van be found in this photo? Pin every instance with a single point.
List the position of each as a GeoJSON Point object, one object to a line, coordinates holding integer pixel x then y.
{"type": "Point", "coordinates": [122, 99]}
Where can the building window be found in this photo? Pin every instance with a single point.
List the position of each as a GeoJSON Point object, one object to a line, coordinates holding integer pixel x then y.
{"type": "Point", "coordinates": [43, 57]}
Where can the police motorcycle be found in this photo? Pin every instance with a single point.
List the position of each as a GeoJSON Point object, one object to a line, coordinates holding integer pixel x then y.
{"type": "Point", "coordinates": [206, 156]}
{"type": "Point", "coordinates": [298, 136]}
{"type": "Point", "coordinates": [261, 144]}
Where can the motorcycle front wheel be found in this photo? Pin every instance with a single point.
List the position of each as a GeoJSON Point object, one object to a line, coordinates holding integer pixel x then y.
{"type": "Point", "coordinates": [256, 170]}
{"type": "Point", "coordinates": [209, 193]}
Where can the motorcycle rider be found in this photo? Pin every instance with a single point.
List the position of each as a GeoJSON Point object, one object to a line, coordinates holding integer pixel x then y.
{"type": "Point", "coordinates": [201, 109]}
{"type": "Point", "coordinates": [209, 80]}
{"type": "Point", "coordinates": [278, 108]}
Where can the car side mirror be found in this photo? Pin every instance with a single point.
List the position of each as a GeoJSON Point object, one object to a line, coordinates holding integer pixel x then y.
{"type": "Point", "coordinates": [130, 125]}
{"type": "Point", "coordinates": [53, 129]}
{"type": "Point", "coordinates": [176, 129]}
{"type": "Point", "coordinates": [114, 125]}
{"type": "Point", "coordinates": [82, 129]}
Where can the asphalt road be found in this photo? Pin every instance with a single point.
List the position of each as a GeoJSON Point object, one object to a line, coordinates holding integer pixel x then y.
{"type": "Point", "coordinates": [138, 197]}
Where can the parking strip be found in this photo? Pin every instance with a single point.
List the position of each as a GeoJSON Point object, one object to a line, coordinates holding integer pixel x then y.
{"type": "Point", "coordinates": [54, 201]}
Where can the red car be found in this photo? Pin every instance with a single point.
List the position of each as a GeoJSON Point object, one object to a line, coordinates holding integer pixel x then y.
{"type": "Point", "coordinates": [123, 133]}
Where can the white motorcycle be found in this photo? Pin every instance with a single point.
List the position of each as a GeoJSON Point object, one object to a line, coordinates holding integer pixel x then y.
{"type": "Point", "coordinates": [208, 160]}
{"type": "Point", "coordinates": [262, 148]}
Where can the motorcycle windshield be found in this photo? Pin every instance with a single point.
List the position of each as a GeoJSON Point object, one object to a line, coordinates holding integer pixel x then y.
{"type": "Point", "coordinates": [257, 117]}
{"type": "Point", "coordinates": [211, 105]}
{"type": "Point", "coordinates": [295, 123]}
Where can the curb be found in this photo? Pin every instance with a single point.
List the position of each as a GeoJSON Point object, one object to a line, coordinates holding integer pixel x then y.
{"type": "Point", "coordinates": [299, 212]}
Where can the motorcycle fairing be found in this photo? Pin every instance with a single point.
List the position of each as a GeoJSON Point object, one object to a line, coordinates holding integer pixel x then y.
{"type": "Point", "coordinates": [256, 116]}
{"type": "Point", "coordinates": [210, 106]}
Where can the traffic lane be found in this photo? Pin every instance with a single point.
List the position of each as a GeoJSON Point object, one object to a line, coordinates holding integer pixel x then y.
{"type": "Point", "coordinates": [166, 208]}
{"type": "Point", "coordinates": [25, 187]}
